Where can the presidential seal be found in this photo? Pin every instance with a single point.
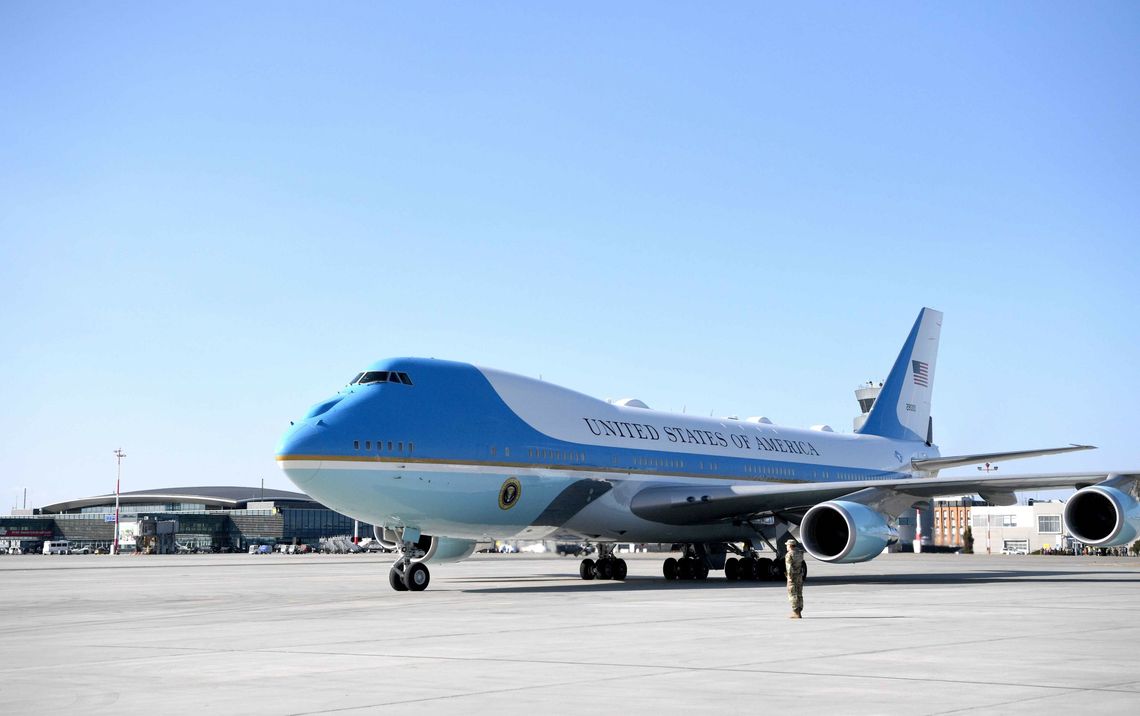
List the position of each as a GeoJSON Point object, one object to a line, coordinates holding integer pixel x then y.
{"type": "Point", "coordinates": [509, 493]}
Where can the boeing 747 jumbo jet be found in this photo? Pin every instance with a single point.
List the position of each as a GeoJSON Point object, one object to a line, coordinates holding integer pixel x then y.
{"type": "Point", "coordinates": [439, 455]}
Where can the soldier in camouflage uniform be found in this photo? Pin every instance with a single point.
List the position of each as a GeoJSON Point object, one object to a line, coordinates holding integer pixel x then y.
{"type": "Point", "coordinates": [794, 569]}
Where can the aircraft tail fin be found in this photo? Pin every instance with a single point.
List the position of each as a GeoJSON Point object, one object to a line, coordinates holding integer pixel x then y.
{"type": "Point", "coordinates": [902, 410]}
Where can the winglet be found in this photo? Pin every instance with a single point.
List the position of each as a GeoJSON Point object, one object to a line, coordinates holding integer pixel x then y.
{"type": "Point", "coordinates": [902, 410]}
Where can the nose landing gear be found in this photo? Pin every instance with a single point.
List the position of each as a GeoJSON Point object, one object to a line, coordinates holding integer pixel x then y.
{"type": "Point", "coordinates": [406, 575]}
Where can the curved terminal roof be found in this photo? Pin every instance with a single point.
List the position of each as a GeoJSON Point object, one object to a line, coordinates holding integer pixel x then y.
{"type": "Point", "coordinates": [231, 497]}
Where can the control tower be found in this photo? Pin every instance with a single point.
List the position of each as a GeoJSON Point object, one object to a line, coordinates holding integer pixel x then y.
{"type": "Point", "coordinates": [866, 395]}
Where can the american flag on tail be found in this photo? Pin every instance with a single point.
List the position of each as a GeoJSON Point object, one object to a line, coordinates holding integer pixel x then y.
{"type": "Point", "coordinates": [921, 373]}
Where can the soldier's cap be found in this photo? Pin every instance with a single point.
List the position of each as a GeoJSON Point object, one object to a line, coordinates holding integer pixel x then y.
{"type": "Point", "coordinates": [792, 541]}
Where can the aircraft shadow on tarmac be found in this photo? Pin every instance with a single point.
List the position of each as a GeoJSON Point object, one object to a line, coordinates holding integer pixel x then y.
{"type": "Point", "coordinates": [635, 584]}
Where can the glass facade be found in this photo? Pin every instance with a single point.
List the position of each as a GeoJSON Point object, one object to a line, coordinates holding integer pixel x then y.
{"type": "Point", "coordinates": [310, 525]}
{"type": "Point", "coordinates": [197, 528]}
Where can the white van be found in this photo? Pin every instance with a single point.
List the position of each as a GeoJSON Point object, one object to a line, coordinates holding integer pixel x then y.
{"type": "Point", "coordinates": [57, 547]}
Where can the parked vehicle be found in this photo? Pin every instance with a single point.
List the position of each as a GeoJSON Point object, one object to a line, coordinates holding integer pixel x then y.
{"type": "Point", "coordinates": [572, 550]}
{"type": "Point", "coordinates": [373, 545]}
{"type": "Point", "coordinates": [57, 547]}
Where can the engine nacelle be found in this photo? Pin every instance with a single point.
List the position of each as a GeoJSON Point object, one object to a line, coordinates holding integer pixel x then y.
{"type": "Point", "coordinates": [1103, 516]}
{"type": "Point", "coordinates": [844, 532]}
{"type": "Point", "coordinates": [447, 549]}
{"type": "Point", "coordinates": [435, 549]}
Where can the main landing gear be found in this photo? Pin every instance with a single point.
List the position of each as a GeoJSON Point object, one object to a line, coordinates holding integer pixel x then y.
{"type": "Point", "coordinates": [685, 568]}
{"type": "Point", "coordinates": [406, 575]}
{"type": "Point", "coordinates": [607, 567]}
{"type": "Point", "coordinates": [752, 568]}
{"type": "Point", "coordinates": [698, 559]}
{"type": "Point", "coordinates": [691, 565]}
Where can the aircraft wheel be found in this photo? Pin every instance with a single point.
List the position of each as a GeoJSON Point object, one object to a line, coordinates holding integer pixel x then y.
{"type": "Point", "coordinates": [620, 569]}
{"type": "Point", "coordinates": [764, 569]}
{"type": "Point", "coordinates": [685, 568]}
{"type": "Point", "coordinates": [700, 569]}
{"type": "Point", "coordinates": [779, 571]}
{"type": "Point", "coordinates": [586, 569]}
{"type": "Point", "coordinates": [747, 570]}
{"type": "Point", "coordinates": [396, 580]}
{"type": "Point", "coordinates": [670, 568]}
{"type": "Point", "coordinates": [604, 568]}
{"type": "Point", "coordinates": [417, 577]}
{"type": "Point", "coordinates": [731, 569]}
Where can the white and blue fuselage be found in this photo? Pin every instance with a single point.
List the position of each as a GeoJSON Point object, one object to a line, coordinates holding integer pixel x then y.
{"type": "Point", "coordinates": [451, 449]}
{"type": "Point", "coordinates": [438, 455]}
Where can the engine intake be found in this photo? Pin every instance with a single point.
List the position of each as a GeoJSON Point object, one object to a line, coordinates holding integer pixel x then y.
{"type": "Point", "coordinates": [1103, 516]}
{"type": "Point", "coordinates": [843, 532]}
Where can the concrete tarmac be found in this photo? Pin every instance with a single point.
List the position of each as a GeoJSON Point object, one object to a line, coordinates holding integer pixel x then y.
{"type": "Point", "coordinates": [521, 634]}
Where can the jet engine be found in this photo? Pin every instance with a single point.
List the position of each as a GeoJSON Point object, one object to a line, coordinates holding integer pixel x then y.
{"type": "Point", "coordinates": [447, 549]}
{"type": "Point", "coordinates": [435, 549]}
{"type": "Point", "coordinates": [1103, 516]}
{"type": "Point", "coordinates": [844, 532]}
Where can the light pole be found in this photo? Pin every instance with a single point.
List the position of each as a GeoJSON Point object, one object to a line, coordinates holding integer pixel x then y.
{"type": "Point", "coordinates": [988, 468]}
{"type": "Point", "coordinates": [119, 455]}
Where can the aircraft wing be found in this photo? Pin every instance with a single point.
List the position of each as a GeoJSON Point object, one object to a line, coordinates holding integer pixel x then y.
{"type": "Point", "coordinates": [699, 504]}
{"type": "Point", "coordinates": [940, 463]}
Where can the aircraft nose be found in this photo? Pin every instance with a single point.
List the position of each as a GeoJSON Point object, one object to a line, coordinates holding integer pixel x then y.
{"type": "Point", "coordinates": [300, 440]}
{"type": "Point", "coordinates": [298, 454]}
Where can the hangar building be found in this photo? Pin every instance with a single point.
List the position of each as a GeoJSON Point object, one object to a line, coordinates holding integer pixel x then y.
{"type": "Point", "coordinates": [207, 518]}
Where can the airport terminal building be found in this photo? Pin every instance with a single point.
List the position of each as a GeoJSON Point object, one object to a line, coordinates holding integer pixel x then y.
{"type": "Point", "coordinates": [225, 518]}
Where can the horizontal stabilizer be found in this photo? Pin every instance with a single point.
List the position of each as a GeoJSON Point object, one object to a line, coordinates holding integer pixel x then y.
{"type": "Point", "coordinates": [941, 463]}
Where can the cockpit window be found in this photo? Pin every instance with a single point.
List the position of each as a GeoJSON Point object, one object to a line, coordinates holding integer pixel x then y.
{"type": "Point", "coordinates": [382, 376]}
{"type": "Point", "coordinates": [354, 380]}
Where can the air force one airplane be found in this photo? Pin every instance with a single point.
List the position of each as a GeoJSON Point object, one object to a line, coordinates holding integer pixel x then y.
{"type": "Point", "coordinates": [439, 455]}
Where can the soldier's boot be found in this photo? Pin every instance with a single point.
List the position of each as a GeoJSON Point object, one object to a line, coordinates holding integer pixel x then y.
{"type": "Point", "coordinates": [794, 615]}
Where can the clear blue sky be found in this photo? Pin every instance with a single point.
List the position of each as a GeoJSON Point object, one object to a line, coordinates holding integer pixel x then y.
{"type": "Point", "coordinates": [213, 215]}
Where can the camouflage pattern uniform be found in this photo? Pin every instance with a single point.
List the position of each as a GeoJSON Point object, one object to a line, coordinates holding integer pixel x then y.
{"type": "Point", "coordinates": [794, 568]}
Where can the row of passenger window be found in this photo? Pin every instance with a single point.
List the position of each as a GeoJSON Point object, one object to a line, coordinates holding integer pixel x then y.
{"type": "Point", "coordinates": [548, 455]}
{"type": "Point", "coordinates": [768, 471]}
{"type": "Point", "coordinates": [393, 446]}
{"type": "Point", "coordinates": [568, 456]}
{"type": "Point", "coordinates": [658, 462]}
